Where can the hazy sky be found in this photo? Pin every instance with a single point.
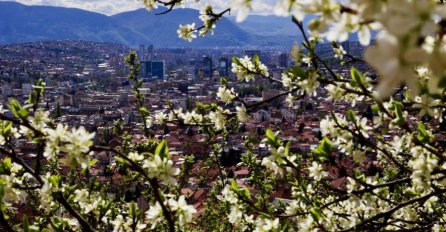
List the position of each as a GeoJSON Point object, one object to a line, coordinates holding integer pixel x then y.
{"type": "Point", "coordinates": [110, 7]}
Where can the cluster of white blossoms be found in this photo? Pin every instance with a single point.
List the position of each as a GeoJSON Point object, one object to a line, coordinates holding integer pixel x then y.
{"type": "Point", "coordinates": [134, 220]}
{"type": "Point", "coordinates": [276, 161]}
{"type": "Point", "coordinates": [45, 193]}
{"type": "Point", "coordinates": [161, 168]}
{"type": "Point", "coordinates": [237, 217]}
{"type": "Point", "coordinates": [339, 52]}
{"type": "Point", "coordinates": [75, 144]}
{"type": "Point", "coordinates": [226, 95]}
{"type": "Point", "coordinates": [10, 194]}
{"type": "Point", "coordinates": [218, 118]}
{"type": "Point", "coordinates": [121, 224]}
{"type": "Point", "coordinates": [242, 7]}
{"type": "Point", "coordinates": [183, 211]}
{"type": "Point", "coordinates": [192, 117]}
{"type": "Point", "coordinates": [427, 105]}
{"type": "Point", "coordinates": [316, 171]}
{"type": "Point", "coordinates": [279, 156]}
{"type": "Point", "coordinates": [89, 201]}
{"type": "Point", "coordinates": [423, 163]}
{"type": "Point", "coordinates": [207, 19]}
{"type": "Point", "coordinates": [340, 130]}
{"type": "Point", "coordinates": [247, 69]}
{"type": "Point", "coordinates": [150, 4]}
{"type": "Point", "coordinates": [306, 82]}
{"type": "Point", "coordinates": [187, 32]}
{"type": "Point", "coordinates": [242, 114]}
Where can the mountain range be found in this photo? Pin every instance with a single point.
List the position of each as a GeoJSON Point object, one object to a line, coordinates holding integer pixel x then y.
{"type": "Point", "coordinates": [23, 23]}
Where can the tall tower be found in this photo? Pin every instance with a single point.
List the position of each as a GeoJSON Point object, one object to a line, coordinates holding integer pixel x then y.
{"type": "Point", "coordinates": [283, 60]}
{"type": "Point", "coordinates": [142, 52]}
{"type": "Point", "coordinates": [346, 46]}
{"type": "Point", "coordinates": [223, 67]}
{"type": "Point", "coordinates": [208, 66]}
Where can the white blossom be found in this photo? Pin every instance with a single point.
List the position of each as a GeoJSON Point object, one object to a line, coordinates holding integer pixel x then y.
{"type": "Point", "coordinates": [160, 118]}
{"type": "Point", "coordinates": [187, 32]}
{"type": "Point", "coordinates": [316, 171]}
{"type": "Point", "coordinates": [242, 113]}
{"type": "Point", "coordinates": [427, 106]}
{"type": "Point", "coordinates": [184, 211]}
{"type": "Point", "coordinates": [192, 118]}
{"type": "Point", "coordinates": [161, 168]}
{"type": "Point", "coordinates": [242, 7]}
{"type": "Point", "coordinates": [135, 156]}
{"type": "Point", "coordinates": [339, 52]}
{"type": "Point", "coordinates": [155, 214]}
{"type": "Point", "coordinates": [218, 118]}
{"type": "Point", "coordinates": [226, 95]}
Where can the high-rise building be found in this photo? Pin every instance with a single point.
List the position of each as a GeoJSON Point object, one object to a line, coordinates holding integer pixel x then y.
{"type": "Point", "coordinates": [283, 60]}
{"type": "Point", "coordinates": [154, 69]}
{"type": "Point", "coordinates": [6, 90]}
{"type": "Point", "coordinates": [141, 52]}
{"type": "Point", "coordinates": [158, 69]}
{"type": "Point", "coordinates": [151, 49]}
{"type": "Point", "coordinates": [346, 46]}
{"type": "Point", "coordinates": [252, 53]}
{"type": "Point", "coordinates": [204, 68]}
{"type": "Point", "coordinates": [223, 67]}
{"type": "Point", "coordinates": [27, 88]}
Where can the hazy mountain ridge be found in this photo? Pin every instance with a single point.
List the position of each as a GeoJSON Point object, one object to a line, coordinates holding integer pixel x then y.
{"type": "Point", "coordinates": [283, 26]}
{"type": "Point", "coordinates": [21, 23]}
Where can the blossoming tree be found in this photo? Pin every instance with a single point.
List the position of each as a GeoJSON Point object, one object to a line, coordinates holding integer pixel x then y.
{"type": "Point", "coordinates": [409, 56]}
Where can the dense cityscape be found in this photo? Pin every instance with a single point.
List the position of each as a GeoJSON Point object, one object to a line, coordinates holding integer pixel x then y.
{"type": "Point", "coordinates": [87, 85]}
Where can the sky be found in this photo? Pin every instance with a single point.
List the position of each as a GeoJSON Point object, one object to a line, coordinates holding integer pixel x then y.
{"type": "Point", "coordinates": [110, 7]}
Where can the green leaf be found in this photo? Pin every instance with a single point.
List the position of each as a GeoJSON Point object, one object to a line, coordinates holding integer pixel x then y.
{"type": "Point", "coordinates": [256, 59]}
{"type": "Point", "coordinates": [132, 211]}
{"type": "Point", "coordinates": [7, 163]}
{"type": "Point", "coordinates": [316, 214]}
{"type": "Point", "coordinates": [234, 185]}
{"type": "Point", "coordinates": [7, 127]}
{"type": "Point", "coordinates": [375, 109]}
{"type": "Point", "coordinates": [144, 111]}
{"type": "Point", "coordinates": [442, 83]}
{"type": "Point", "coordinates": [298, 71]}
{"type": "Point", "coordinates": [120, 160]}
{"type": "Point", "coordinates": [398, 109]}
{"type": "Point", "coordinates": [224, 81]}
{"type": "Point", "coordinates": [422, 136]}
{"type": "Point", "coordinates": [235, 60]}
{"type": "Point", "coordinates": [22, 113]}
{"type": "Point", "coordinates": [25, 224]}
{"type": "Point", "coordinates": [351, 116]}
{"type": "Point", "coordinates": [270, 135]}
{"type": "Point", "coordinates": [162, 150]}
{"type": "Point", "coordinates": [93, 162]}
{"type": "Point", "coordinates": [245, 193]}
{"type": "Point", "coordinates": [324, 149]}
{"type": "Point", "coordinates": [272, 139]}
{"type": "Point", "coordinates": [55, 180]}
{"type": "Point", "coordinates": [356, 76]}
{"type": "Point", "coordinates": [2, 191]}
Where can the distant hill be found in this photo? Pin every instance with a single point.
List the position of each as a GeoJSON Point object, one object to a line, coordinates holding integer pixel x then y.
{"type": "Point", "coordinates": [21, 23]}
{"type": "Point", "coordinates": [276, 26]}
{"type": "Point", "coordinates": [162, 29]}
{"type": "Point", "coordinates": [268, 25]}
